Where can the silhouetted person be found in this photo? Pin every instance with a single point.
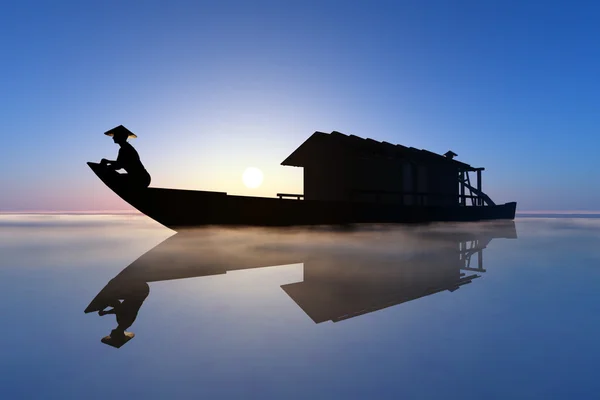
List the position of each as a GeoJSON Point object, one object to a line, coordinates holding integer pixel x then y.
{"type": "Point", "coordinates": [128, 159]}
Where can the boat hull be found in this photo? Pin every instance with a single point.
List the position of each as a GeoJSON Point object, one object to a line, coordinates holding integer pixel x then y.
{"type": "Point", "coordinates": [178, 209]}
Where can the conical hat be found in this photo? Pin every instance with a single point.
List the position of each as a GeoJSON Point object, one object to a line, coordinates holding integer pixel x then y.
{"type": "Point", "coordinates": [120, 129]}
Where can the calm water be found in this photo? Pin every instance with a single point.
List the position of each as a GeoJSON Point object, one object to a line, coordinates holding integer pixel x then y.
{"type": "Point", "coordinates": [467, 311]}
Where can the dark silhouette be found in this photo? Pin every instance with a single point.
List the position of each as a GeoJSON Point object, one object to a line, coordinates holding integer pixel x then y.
{"type": "Point", "coordinates": [347, 180]}
{"type": "Point", "coordinates": [128, 159]}
{"type": "Point", "coordinates": [125, 297]}
{"type": "Point", "coordinates": [339, 282]}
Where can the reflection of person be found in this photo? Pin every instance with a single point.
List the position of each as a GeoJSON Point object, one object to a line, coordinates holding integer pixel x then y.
{"type": "Point", "coordinates": [133, 295]}
{"type": "Point", "coordinates": [128, 159]}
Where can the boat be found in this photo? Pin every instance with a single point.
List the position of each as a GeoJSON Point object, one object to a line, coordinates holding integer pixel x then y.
{"type": "Point", "coordinates": [324, 203]}
{"type": "Point", "coordinates": [178, 209]}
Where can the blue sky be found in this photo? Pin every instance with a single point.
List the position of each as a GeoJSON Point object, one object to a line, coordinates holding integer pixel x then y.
{"type": "Point", "coordinates": [214, 87]}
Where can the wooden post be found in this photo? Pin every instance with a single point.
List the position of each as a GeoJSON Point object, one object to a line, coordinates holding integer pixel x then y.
{"type": "Point", "coordinates": [479, 199]}
{"type": "Point", "coordinates": [462, 188]}
{"type": "Point", "coordinates": [468, 181]}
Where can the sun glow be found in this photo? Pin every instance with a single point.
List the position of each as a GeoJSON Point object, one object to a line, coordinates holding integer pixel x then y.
{"type": "Point", "coordinates": [252, 177]}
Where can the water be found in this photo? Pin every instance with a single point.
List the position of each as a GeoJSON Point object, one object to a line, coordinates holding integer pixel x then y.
{"type": "Point", "coordinates": [376, 312]}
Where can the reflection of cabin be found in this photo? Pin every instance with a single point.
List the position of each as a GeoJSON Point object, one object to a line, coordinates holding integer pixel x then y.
{"type": "Point", "coordinates": [340, 287]}
{"type": "Point", "coordinates": [339, 167]}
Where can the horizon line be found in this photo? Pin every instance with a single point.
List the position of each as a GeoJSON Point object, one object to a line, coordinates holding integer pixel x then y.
{"type": "Point", "coordinates": [98, 212]}
{"type": "Point", "coordinates": [559, 212]}
{"type": "Point", "coordinates": [125, 212]}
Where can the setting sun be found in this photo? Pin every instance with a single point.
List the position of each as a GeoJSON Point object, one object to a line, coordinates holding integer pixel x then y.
{"type": "Point", "coordinates": [252, 177]}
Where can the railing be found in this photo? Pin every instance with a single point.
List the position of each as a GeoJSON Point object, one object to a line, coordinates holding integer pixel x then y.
{"type": "Point", "coordinates": [297, 196]}
{"type": "Point", "coordinates": [415, 198]}
{"type": "Point", "coordinates": [419, 198]}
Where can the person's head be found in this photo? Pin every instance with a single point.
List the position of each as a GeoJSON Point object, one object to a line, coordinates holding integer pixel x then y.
{"type": "Point", "coordinates": [120, 137]}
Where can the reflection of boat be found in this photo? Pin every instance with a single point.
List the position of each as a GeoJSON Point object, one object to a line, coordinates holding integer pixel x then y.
{"type": "Point", "coordinates": [347, 180]}
{"type": "Point", "coordinates": [188, 255]}
{"type": "Point", "coordinates": [342, 279]}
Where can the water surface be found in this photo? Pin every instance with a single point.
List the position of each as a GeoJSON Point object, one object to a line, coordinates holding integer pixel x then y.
{"type": "Point", "coordinates": [465, 311]}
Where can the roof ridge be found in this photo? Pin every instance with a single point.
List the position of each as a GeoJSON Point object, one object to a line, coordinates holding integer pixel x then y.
{"type": "Point", "coordinates": [382, 148]}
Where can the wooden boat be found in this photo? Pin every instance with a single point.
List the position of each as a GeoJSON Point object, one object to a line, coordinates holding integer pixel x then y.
{"type": "Point", "coordinates": [178, 209]}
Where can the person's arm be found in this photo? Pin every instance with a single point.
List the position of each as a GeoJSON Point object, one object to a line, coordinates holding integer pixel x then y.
{"type": "Point", "coordinates": [118, 164]}
{"type": "Point", "coordinates": [115, 165]}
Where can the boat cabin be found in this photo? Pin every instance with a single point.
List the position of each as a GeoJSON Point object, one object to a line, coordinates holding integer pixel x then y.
{"type": "Point", "coordinates": [339, 167]}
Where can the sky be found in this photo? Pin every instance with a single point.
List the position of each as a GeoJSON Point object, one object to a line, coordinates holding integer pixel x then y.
{"type": "Point", "coordinates": [212, 88]}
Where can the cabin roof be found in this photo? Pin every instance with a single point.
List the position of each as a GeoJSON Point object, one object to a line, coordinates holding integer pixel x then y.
{"type": "Point", "coordinates": [370, 147]}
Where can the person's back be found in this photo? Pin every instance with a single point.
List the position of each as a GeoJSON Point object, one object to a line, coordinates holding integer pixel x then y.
{"type": "Point", "coordinates": [129, 160]}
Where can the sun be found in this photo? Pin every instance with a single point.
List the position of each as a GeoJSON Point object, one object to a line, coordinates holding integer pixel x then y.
{"type": "Point", "coordinates": [252, 177]}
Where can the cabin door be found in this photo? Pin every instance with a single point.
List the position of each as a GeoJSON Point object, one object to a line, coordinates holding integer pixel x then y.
{"type": "Point", "coordinates": [408, 184]}
{"type": "Point", "coordinates": [422, 186]}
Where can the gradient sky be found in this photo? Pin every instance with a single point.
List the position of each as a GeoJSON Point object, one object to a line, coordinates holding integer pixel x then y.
{"type": "Point", "coordinates": [214, 87]}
